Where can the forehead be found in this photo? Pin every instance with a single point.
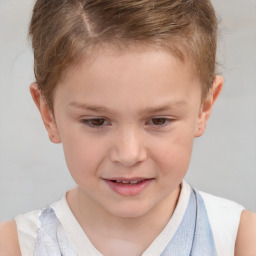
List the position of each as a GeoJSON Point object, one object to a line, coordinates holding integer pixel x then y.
{"type": "Point", "coordinates": [138, 73]}
{"type": "Point", "coordinates": [140, 55]}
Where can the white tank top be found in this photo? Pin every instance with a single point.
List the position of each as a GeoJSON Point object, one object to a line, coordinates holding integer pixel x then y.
{"type": "Point", "coordinates": [224, 218]}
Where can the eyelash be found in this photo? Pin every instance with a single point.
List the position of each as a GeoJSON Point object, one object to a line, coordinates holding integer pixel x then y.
{"type": "Point", "coordinates": [166, 121]}
{"type": "Point", "coordinates": [88, 122]}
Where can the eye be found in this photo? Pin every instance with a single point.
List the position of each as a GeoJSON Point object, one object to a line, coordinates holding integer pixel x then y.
{"type": "Point", "coordinates": [95, 122]}
{"type": "Point", "coordinates": [159, 121]}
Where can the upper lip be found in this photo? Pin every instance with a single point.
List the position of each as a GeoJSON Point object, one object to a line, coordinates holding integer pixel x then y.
{"type": "Point", "coordinates": [128, 179]}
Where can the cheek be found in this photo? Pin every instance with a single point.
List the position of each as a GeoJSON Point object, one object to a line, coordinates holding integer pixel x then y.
{"type": "Point", "coordinates": [173, 154]}
{"type": "Point", "coordinates": [176, 161]}
{"type": "Point", "coordinates": [83, 156]}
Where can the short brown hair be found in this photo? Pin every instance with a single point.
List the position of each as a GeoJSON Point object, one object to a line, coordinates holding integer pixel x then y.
{"type": "Point", "coordinates": [63, 30]}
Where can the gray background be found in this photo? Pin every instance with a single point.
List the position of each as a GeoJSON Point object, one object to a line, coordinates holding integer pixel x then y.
{"type": "Point", "coordinates": [33, 171]}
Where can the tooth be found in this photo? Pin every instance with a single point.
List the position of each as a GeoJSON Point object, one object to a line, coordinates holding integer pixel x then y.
{"type": "Point", "coordinates": [134, 181]}
{"type": "Point", "coordinates": [125, 181]}
{"type": "Point", "coordinates": [118, 181]}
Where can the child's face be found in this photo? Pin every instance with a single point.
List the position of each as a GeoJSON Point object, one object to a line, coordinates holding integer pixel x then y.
{"type": "Point", "coordinates": [128, 117]}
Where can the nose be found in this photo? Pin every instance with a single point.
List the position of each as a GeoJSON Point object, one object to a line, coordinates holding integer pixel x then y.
{"type": "Point", "coordinates": [128, 148]}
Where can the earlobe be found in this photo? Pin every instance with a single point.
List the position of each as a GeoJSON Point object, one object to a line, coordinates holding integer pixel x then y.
{"type": "Point", "coordinates": [46, 114]}
{"type": "Point", "coordinates": [207, 105]}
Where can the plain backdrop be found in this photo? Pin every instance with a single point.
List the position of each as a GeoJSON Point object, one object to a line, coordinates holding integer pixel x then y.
{"type": "Point", "coordinates": [33, 172]}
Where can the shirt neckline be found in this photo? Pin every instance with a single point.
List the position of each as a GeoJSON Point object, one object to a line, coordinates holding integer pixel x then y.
{"type": "Point", "coordinates": [83, 246]}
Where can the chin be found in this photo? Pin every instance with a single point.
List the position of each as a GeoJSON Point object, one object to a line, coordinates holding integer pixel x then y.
{"type": "Point", "coordinates": [130, 210]}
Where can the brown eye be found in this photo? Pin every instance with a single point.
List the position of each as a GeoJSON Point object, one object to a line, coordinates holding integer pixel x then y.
{"type": "Point", "coordinates": [97, 122]}
{"type": "Point", "coordinates": [159, 121]}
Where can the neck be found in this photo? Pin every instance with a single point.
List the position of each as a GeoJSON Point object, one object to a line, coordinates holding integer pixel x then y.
{"type": "Point", "coordinates": [102, 227]}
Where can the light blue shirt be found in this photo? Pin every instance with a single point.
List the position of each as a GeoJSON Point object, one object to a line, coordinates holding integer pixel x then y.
{"type": "Point", "coordinates": [192, 238]}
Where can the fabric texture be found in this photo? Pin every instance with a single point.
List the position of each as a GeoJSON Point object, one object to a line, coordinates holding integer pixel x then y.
{"type": "Point", "coordinates": [193, 230]}
{"type": "Point", "coordinates": [194, 236]}
{"type": "Point", "coordinates": [224, 216]}
{"type": "Point", "coordinates": [51, 238]}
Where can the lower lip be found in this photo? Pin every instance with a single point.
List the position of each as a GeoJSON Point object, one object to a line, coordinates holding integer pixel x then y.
{"type": "Point", "coordinates": [128, 189]}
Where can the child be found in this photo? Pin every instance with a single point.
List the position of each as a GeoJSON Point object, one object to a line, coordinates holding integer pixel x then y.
{"type": "Point", "coordinates": [125, 86]}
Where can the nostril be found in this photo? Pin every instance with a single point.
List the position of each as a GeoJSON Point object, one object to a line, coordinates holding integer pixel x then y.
{"type": "Point", "coordinates": [128, 158]}
{"type": "Point", "coordinates": [128, 149]}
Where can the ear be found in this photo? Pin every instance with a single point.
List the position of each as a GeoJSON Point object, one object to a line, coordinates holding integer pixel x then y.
{"type": "Point", "coordinates": [46, 114]}
{"type": "Point", "coordinates": [207, 105]}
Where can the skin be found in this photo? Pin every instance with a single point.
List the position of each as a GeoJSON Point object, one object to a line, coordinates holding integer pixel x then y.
{"type": "Point", "coordinates": [108, 133]}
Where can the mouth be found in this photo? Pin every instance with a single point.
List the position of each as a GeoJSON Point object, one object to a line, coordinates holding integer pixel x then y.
{"type": "Point", "coordinates": [129, 182]}
{"type": "Point", "coordinates": [128, 187]}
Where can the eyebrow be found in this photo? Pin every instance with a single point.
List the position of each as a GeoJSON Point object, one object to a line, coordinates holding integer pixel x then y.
{"type": "Point", "coordinates": [94, 108]}
{"type": "Point", "coordinates": [149, 110]}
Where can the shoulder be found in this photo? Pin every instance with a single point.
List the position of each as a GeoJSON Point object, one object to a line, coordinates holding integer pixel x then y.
{"type": "Point", "coordinates": [224, 217]}
{"type": "Point", "coordinates": [246, 236]}
{"type": "Point", "coordinates": [9, 244]}
{"type": "Point", "coordinates": [219, 201]}
{"type": "Point", "coordinates": [221, 210]}
{"type": "Point", "coordinates": [27, 227]}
